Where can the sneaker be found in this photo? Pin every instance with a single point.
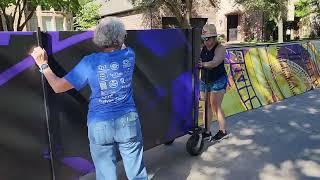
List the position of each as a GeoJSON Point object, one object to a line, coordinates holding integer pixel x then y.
{"type": "Point", "coordinates": [219, 136]}
{"type": "Point", "coordinates": [207, 135]}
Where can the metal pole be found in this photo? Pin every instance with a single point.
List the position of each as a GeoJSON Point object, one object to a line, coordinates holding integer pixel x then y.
{"type": "Point", "coordinates": [44, 90]}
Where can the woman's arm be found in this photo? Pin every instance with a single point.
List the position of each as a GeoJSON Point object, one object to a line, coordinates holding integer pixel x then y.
{"type": "Point", "coordinates": [58, 84]}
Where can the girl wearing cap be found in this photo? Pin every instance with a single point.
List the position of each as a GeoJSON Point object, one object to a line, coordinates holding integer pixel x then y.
{"type": "Point", "coordinates": [113, 122]}
{"type": "Point", "coordinates": [213, 79]}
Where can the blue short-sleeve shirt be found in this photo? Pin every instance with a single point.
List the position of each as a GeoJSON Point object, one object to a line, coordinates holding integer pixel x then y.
{"type": "Point", "coordinates": [109, 75]}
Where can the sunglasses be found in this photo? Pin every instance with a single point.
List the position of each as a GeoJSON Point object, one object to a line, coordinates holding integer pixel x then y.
{"type": "Point", "coordinates": [206, 38]}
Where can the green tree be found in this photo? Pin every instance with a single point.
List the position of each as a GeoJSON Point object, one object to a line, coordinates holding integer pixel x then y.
{"type": "Point", "coordinates": [302, 8]}
{"type": "Point", "coordinates": [275, 10]}
{"type": "Point", "coordinates": [181, 9]}
{"type": "Point", "coordinates": [18, 12]}
{"type": "Point", "coordinates": [88, 14]}
{"type": "Point", "coordinates": [309, 12]}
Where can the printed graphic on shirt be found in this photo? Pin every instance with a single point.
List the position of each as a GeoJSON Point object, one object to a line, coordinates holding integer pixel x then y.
{"type": "Point", "coordinates": [115, 80]}
{"type": "Point", "coordinates": [102, 74]}
{"type": "Point", "coordinates": [114, 66]}
{"type": "Point", "coordinates": [126, 63]}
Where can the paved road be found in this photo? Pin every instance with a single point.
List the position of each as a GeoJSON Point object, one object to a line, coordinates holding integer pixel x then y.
{"type": "Point", "coordinates": [276, 142]}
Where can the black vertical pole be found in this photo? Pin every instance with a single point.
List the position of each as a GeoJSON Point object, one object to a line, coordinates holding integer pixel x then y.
{"type": "Point", "coordinates": [195, 79]}
{"type": "Point", "coordinates": [193, 71]}
{"type": "Point", "coordinates": [206, 97]}
{"type": "Point", "coordinates": [45, 95]}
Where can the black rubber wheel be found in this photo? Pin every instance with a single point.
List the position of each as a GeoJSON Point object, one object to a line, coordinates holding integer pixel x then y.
{"type": "Point", "coordinates": [195, 144]}
{"type": "Point", "coordinates": [169, 143]}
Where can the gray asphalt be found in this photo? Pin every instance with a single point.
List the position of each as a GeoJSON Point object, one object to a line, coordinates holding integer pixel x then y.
{"type": "Point", "coordinates": [276, 142]}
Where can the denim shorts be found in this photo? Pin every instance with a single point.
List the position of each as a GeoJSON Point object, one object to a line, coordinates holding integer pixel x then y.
{"type": "Point", "coordinates": [124, 134]}
{"type": "Point", "coordinates": [218, 85]}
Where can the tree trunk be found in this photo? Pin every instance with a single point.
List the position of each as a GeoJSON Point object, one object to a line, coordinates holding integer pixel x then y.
{"type": "Point", "coordinates": [20, 11]}
{"type": "Point", "coordinates": [9, 22]}
{"type": "Point", "coordinates": [280, 30]}
{"type": "Point", "coordinates": [188, 13]}
{"type": "Point", "coordinates": [20, 27]}
{"type": "Point", "coordinates": [1, 25]}
{"type": "Point", "coordinates": [185, 23]}
{"type": "Point", "coordinates": [180, 14]}
{"type": "Point", "coordinates": [7, 19]}
{"type": "Point", "coordinates": [187, 20]}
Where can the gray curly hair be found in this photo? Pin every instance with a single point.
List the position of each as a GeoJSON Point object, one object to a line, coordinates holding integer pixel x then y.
{"type": "Point", "coordinates": [110, 32]}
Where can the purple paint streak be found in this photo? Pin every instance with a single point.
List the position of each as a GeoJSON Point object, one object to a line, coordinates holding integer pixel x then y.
{"type": "Point", "coordinates": [182, 107]}
{"type": "Point", "coordinates": [16, 69]}
{"type": "Point", "coordinates": [5, 36]}
{"type": "Point", "coordinates": [79, 164]}
{"type": "Point", "coordinates": [76, 163]}
{"type": "Point", "coordinates": [157, 41]}
{"type": "Point", "coordinates": [161, 92]}
{"type": "Point", "coordinates": [58, 45]}
{"type": "Point", "coordinates": [29, 62]}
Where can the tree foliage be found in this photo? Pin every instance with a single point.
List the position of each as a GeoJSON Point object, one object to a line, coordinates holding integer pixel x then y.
{"type": "Point", "coordinates": [272, 9]}
{"type": "Point", "coordinates": [181, 9]}
{"type": "Point", "coordinates": [88, 14]}
{"type": "Point", "coordinates": [302, 8]}
{"type": "Point", "coordinates": [309, 13]}
{"type": "Point", "coordinates": [18, 12]}
{"type": "Point", "coordinates": [275, 10]}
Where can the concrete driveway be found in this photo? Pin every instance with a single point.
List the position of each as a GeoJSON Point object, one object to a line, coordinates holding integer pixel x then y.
{"type": "Point", "coordinates": [277, 142]}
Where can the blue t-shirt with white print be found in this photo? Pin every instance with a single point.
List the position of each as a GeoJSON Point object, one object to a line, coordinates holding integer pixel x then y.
{"type": "Point", "coordinates": [109, 75]}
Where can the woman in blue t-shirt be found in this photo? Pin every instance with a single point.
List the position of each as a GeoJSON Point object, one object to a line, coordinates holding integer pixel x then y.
{"type": "Point", "coordinates": [213, 79]}
{"type": "Point", "coordinates": [112, 119]}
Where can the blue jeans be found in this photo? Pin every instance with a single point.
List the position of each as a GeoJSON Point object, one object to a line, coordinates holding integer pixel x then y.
{"type": "Point", "coordinates": [124, 133]}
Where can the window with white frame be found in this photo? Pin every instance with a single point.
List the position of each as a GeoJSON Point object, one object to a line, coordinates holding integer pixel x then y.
{"type": "Point", "coordinates": [47, 23]}
{"type": "Point", "coordinates": [33, 23]}
{"type": "Point", "coordinates": [59, 23]}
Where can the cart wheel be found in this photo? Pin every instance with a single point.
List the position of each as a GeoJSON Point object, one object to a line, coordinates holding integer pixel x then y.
{"type": "Point", "coordinates": [169, 143]}
{"type": "Point", "coordinates": [195, 144]}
